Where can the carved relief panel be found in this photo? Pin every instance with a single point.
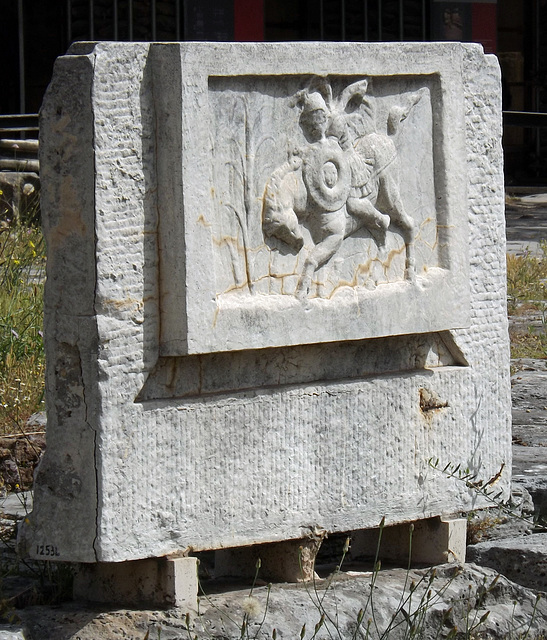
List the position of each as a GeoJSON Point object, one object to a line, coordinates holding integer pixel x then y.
{"type": "Point", "coordinates": [322, 185]}
{"type": "Point", "coordinates": [329, 207]}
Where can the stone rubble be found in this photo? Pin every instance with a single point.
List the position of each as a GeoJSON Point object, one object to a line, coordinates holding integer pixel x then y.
{"type": "Point", "coordinates": [522, 559]}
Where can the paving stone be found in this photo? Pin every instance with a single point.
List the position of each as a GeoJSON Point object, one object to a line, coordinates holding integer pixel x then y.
{"type": "Point", "coordinates": [522, 559]}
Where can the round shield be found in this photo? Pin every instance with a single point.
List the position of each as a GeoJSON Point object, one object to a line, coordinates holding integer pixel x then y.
{"type": "Point", "coordinates": [327, 176]}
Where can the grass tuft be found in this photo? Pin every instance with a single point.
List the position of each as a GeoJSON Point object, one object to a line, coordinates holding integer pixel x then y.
{"type": "Point", "coordinates": [22, 272]}
{"type": "Point", "coordinates": [527, 298]}
{"type": "Point", "coordinates": [527, 280]}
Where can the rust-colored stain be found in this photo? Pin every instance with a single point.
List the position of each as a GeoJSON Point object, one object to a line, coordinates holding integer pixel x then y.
{"type": "Point", "coordinates": [123, 304]}
{"type": "Point", "coordinates": [171, 374]}
{"type": "Point", "coordinates": [202, 220]}
{"type": "Point", "coordinates": [70, 221]}
{"type": "Point", "coordinates": [430, 402]}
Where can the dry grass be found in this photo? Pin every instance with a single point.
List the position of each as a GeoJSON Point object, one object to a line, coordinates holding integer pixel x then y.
{"type": "Point", "coordinates": [527, 344]}
{"type": "Point", "coordinates": [527, 279]}
{"type": "Point", "coordinates": [526, 295]}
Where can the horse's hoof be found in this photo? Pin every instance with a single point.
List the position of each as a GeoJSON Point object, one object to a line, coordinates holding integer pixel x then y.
{"type": "Point", "coordinates": [298, 243]}
{"type": "Point", "coordinates": [382, 222]}
{"type": "Point", "coordinates": [410, 275]}
{"type": "Point", "coordinates": [303, 288]}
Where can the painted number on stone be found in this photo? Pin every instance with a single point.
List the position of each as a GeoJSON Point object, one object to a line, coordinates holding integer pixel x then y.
{"type": "Point", "coordinates": [47, 550]}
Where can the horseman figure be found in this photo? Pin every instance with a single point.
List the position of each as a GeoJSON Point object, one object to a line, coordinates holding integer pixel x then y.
{"type": "Point", "coordinates": [345, 178]}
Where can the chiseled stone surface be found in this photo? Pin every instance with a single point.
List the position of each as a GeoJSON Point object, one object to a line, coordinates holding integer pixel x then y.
{"type": "Point", "coordinates": [276, 290]}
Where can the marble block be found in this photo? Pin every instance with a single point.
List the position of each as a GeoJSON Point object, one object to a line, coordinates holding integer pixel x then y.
{"type": "Point", "coordinates": [275, 291]}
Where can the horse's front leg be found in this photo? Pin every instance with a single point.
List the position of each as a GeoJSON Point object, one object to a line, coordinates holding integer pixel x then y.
{"type": "Point", "coordinates": [398, 215]}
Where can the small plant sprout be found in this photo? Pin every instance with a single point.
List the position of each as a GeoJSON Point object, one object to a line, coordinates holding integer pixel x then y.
{"type": "Point", "coordinates": [486, 489]}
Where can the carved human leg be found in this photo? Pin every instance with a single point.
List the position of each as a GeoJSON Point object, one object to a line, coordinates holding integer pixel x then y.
{"type": "Point", "coordinates": [330, 232]}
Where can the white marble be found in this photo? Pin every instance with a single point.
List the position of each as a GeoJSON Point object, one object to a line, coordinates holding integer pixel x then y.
{"type": "Point", "coordinates": [314, 207]}
{"type": "Point", "coordinates": [276, 289]}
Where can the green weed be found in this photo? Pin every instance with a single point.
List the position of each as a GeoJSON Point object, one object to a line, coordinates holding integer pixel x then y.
{"type": "Point", "coordinates": [22, 270]}
{"type": "Point", "coordinates": [487, 489]}
{"type": "Point", "coordinates": [527, 294]}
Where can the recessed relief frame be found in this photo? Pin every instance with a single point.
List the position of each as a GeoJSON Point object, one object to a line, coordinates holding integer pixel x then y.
{"type": "Point", "coordinates": [329, 207]}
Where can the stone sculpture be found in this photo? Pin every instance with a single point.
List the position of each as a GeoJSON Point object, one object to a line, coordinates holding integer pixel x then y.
{"type": "Point", "coordinates": [334, 183]}
{"type": "Point", "coordinates": [275, 290]}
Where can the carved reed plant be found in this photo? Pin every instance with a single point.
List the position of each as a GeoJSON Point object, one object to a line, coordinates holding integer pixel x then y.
{"type": "Point", "coordinates": [22, 271]}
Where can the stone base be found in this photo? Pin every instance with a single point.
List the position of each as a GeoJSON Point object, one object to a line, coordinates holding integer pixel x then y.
{"type": "Point", "coordinates": [288, 561]}
{"type": "Point", "coordinates": [172, 582]}
{"type": "Point", "coordinates": [433, 541]}
{"type": "Point", "coordinates": [164, 582]}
